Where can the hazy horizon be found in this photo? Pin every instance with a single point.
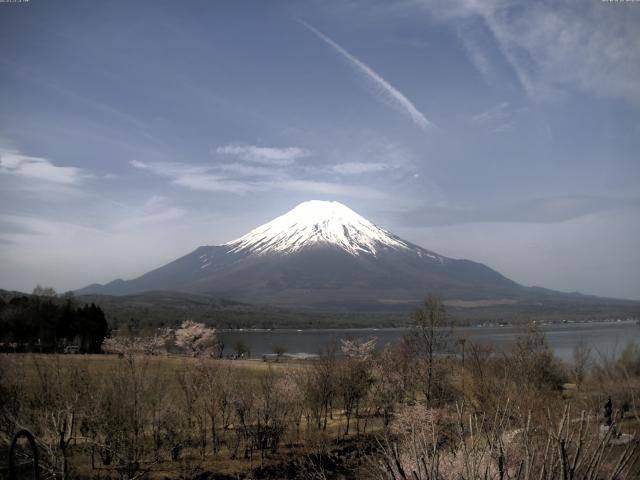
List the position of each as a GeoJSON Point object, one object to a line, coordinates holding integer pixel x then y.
{"type": "Point", "coordinates": [503, 132]}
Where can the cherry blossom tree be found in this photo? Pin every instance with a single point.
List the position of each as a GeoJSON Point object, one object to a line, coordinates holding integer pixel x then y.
{"type": "Point", "coordinates": [152, 345]}
{"type": "Point", "coordinates": [196, 338]}
{"type": "Point", "coordinates": [358, 347]}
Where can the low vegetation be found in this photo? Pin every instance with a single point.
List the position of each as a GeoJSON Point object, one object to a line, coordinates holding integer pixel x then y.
{"type": "Point", "coordinates": [407, 412]}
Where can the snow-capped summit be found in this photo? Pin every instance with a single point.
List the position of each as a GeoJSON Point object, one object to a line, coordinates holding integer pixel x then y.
{"type": "Point", "coordinates": [320, 255]}
{"type": "Point", "coordinates": [317, 222]}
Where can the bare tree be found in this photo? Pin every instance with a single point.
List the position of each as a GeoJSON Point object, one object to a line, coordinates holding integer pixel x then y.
{"type": "Point", "coordinates": [60, 400]}
{"type": "Point", "coordinates": [194, 405]}
{"type": "Point", "coordinates": [292, 390]}
{"type": "Point", "coordinates": [508, 445]}
{"type": "Point", "coordinates": [389, 386]}
{"type": "Point", "coordinates": [41, 291]}
{"type": "Point", "coordinates": [318, 384]}
{"type": "Point", "coordinates": [214, 380]}
{"type": "Point", "coordinates": [581, 362]}
{"type": "Point", "coordinates": [279, 350]}
{"type": "Point", "coordinates": [431, 334]}
{"type": "Point", "coordinates": [130, 413]}
{"type": "Point", "coordinates": [241, 349]}
{"type": "Point", "coordinates": [533, 371]}
{"type": "Point", "coordinates": [11, 393]}
{"type": "Point", "coordinates": [353, 379]}
{"type": "Point", "coordinates": [271, 412]}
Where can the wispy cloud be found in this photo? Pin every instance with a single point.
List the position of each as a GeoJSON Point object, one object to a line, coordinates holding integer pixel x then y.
{"type": "Point", "coordinates": [157, 209]}
{"type": "Point", "coordinates": [388, 92]}
{"type": "Point", "coordinates": [235, 179]}
{"type": "Point", "coordinates": [541, 210]}
{"type": "Point", "coordinates": [196, 177]}
{"type": "Point", "coordinates": [558, 46]}
{"type": "Point", "coordinates": [498, 118]}
{"type": "Point", "coordinates": [38, 226]}
{"type": "Point", "coordinates": [368, 158]}
{"type": "Point", "coordinates": [13, 227]}
{"type": "Point", "coordinates": [13, 162]}
{"type": "Point", "coordinates": [214, 183]}
{"type": "Point", "coordinates": [357, 168]}
{"type": "Point", "coordinates": [244, 170]}
{"type": "Point", "coordinates": [473, 39]}
{"type": "Point", "coordinates": [329, 188]}
{"type": "Point", "coordinates": [478, 57]}
{"type": "Point", "coordinates": [264, 155]}
{"type": "Point", "coordinates": [168, 169]}
{"type": "Point", "coordinates": [75, 246]}
{"type": "Point", "coordinates": [496, 114]}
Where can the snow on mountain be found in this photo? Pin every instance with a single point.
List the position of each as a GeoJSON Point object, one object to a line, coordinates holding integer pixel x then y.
{"type": "Point", "coordinates": [314, 223]}
{"type": "Point", "coordinates": [324, 255]}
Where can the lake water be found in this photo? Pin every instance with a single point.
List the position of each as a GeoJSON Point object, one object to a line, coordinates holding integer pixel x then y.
{"type": "Point", "coordinates": [606, 338]}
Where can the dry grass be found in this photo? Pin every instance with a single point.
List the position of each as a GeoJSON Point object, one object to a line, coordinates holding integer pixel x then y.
{"type": "Point", "coordinates": [176, 393]}
{"type": "Point", "coordinates": [165, 366]}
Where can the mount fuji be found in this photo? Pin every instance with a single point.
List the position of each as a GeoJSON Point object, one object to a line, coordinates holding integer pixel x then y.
{"type": "Point", "coordinates": [324, 255]}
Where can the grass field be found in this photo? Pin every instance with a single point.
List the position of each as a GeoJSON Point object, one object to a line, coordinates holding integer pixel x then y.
{"type": "Point", "coordinates": [34, 372]}
{"type": "Point", "coordinates": [172, 416]}
{"type": "Point", "coordinates": [167, 365]}
{"type": "Point", "coordinates": [164, 369]}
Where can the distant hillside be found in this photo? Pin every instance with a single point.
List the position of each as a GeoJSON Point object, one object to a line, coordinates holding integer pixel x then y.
{"type": "Point", "coordinates": [160, 308]}
{"type": "Point", "coordinates": [170, 308]}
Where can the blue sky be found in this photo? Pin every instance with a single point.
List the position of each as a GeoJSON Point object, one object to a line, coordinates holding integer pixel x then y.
{"type": "Point", "coordinates": [501, 131]}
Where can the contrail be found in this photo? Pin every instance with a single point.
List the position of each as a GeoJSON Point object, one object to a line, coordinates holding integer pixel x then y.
{"type": "Point", "coordinates": [392, 94]}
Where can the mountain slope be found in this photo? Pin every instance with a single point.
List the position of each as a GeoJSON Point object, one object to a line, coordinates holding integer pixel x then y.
{"type": "Point", "coordinates": [322, 254]}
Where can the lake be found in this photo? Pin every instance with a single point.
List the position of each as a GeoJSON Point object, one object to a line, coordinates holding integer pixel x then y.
{"type": "Point", "coordinates": [606, 338]}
